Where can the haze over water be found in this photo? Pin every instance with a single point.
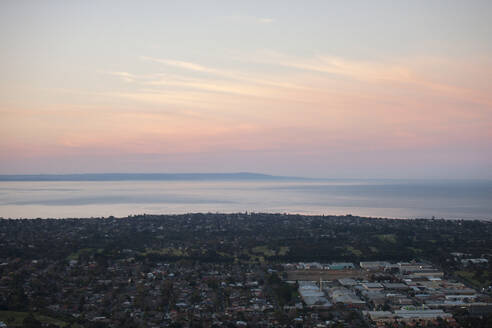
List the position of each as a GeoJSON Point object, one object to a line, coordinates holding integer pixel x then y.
{"type": "Point", "coordinates": [377, 198]}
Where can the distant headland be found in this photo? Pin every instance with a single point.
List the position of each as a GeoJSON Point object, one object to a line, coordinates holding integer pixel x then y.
{"type": "Point", "coordinates": [145, 176]}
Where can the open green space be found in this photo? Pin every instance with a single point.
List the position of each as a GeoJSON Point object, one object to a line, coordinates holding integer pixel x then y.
{"type": "Point", "coordinates": [171, 251]}
{"type": "Point", "coordinates": [84, 251]}
{"type": "Point", "coordinates": [476, 280]}
{"type": "Point", "coordinates": [354, 251]}
{"type": "Point", "coordinates": [389, 238]}
{"type": "Point", "coordinates": [263, 250]}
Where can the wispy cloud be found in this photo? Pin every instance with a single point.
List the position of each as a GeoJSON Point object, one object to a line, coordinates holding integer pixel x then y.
{"type": "Point", "coordinates": [266, 20]}
{"type": "Point", "coordinates": [215, 86]}
{"type": "Point", "coordinates": [224, 73]}
{"type": "Point", "coordinates": [180, 64]}
{"type": "Point", "coordinates": [125, 76]}
{"type": "Point", "coordinates": [382, 72]}
{"type": "Point", "coordinates": [323, 88]}
{"type": "Point", "coordinates": [358, 69]}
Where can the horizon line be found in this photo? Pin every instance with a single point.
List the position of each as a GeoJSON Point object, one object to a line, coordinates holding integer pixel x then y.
{"type": "Point", "coordinates": [243, 175]}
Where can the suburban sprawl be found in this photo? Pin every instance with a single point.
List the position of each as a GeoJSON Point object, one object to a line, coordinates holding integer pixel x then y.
{"type": "Point", "coordinates": [245, 270]}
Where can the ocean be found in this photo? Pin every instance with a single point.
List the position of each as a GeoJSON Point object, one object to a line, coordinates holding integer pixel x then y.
{"type": "Point", "coordinates": [450, 199]}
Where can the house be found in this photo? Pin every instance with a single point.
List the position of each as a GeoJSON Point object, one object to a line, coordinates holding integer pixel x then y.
{"type": "Point", "coordinates": [347, 282]}
{"type": "Point", "coordinates": [345, 296]}
{"type": "Point", "coordinates": [407, 315]}
{"type": "Point", "coordinates": [467, 262]}
{"type": "Point", "coordinates": [372, 286]}
{"type": "Point", "coordinates": [374, 266]}
{"type": "Point", "coordinates": [341, 266]}
{"type": "Point", "coordinates": [395, 286]}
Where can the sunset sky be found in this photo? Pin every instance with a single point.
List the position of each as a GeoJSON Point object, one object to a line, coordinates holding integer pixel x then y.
{"type": "Point", "coordinates": [363, 89]}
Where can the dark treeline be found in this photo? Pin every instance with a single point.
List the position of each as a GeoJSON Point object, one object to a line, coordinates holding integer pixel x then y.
{"type": "Point", "coordinates": [228, 237]}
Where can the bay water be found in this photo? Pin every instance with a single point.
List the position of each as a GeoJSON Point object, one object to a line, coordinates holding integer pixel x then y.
{"type": "Point", "coordinates": [450, 199]}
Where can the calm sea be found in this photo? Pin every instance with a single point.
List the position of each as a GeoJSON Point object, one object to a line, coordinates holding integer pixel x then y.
{"type": "Point", "coordinates": [376, 198]}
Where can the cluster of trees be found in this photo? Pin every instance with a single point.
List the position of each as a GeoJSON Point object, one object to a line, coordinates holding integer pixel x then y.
{"type": "Point", "coordinates": [225, 237]}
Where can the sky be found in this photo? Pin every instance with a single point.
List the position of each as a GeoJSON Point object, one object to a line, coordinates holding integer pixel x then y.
{"type": "Point", "coordinates": [362, 89]}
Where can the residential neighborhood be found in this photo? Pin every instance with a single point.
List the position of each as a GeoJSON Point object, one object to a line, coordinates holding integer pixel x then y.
{"type": "Point", "coordinates": [212, 270]}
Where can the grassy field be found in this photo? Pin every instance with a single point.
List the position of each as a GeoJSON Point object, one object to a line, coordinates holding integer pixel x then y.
{"type": "Point", "coordinates": [471, 279]}
{"type": "Point", "coordinates": [354, 251]}
{"type": "Point", "coordinates": [171, 251]}
{"type": "Point", "coordinates": [416, 251]}
{"type": "Point", "coordinates": [84, 251]}
{"type": "Point", "coordinates": [283, 250]}
{"type": "Point", "coordinates": [389, 238]}
{"type": "Point", "coordinates": [267, 252]}
{"type": "Point", "coordinates": [263, 250]}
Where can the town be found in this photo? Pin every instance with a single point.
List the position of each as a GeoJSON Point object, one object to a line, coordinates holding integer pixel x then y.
{"type": "Point", "coordinates": [245, 270]}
